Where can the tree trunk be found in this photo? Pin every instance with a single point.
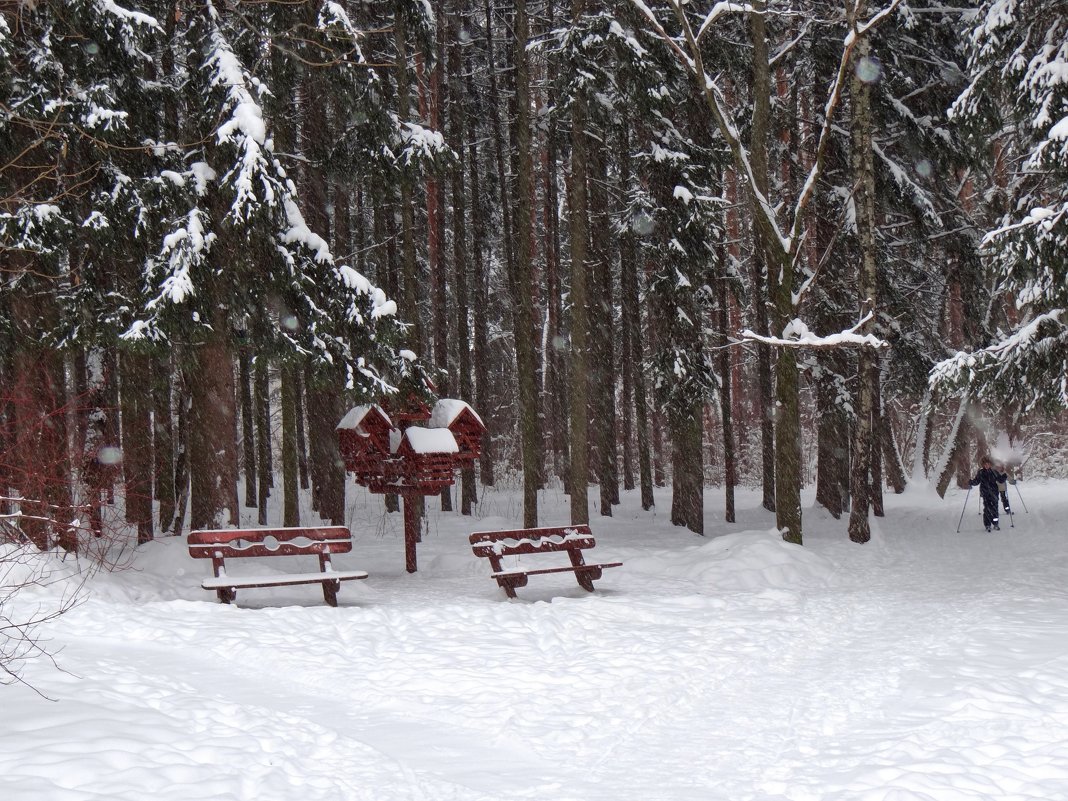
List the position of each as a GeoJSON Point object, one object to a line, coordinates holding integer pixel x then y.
{"type": "Point", "coordinates": [290, 460]}
{"type": "Point", "coordinates": [263, 437]}
{"type": "Point", "coordinates": [601, 368]}
{"type": "Point", "coordinates": [298, 426]}
{"type": "Point", "coordinates": [480, 343]}
{"type": "Point", "coordinates": [730, 468]}
{"type": "Point", "coordinates": [212, 431]}
{"type": "Point", "coordinates": [759, 268]}
{"type": "Point", "coordinates": [895, 468]}
{"type": "Point", "coordinates": [578, 469]}
{"type": "Point", "coordinates": [788, 438]}
{"type": "Point", "coordinates": [248, 426]}
{"type": "Point", "coordinates": [864, 200]}
{"type": "Point", "coordinates": [956, 449]}
{"type": "Point", "coordinates": [555, 391]}
{"type": "Point", "coordinates": [164, 436]}
{"type": "Point", "coordinates": [877, 441]}
{"type": "Point", "coordinates": [523, 315]}
{"type": "Point", "coordinates": [409, 299]}
{"type": "Point", "coordinates": [687, 480]}
{"type": "Point", "coordinates": [832, 438]}
{"type": "Point", "coordinates": [499, 146]}
{"type": "Point", "coordinates": [181, 450]}
{"type": "Point", "coordinates": [440, 117]}
{"type": "Point", "coordinates": [328, 471]}
{"type": "Point", "coordinates": [641, 414]}
{"type": "Point", "coordinates": [458, 119]}
{"type": "Point", "coordinates": [628, 280]}
{"type": "Point", "coordinates": [137, 461]}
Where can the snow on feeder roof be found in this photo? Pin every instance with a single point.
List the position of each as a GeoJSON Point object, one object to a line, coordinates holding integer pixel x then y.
{"type": "Point", "coordinates": [430, 440]}
{"type": "Point", "coordinates": [447, 410]}
{"type": "Point", "coordinates": [357, 415]}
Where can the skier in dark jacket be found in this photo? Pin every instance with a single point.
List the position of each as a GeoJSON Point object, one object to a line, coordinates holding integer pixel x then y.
{"type": "Point", "coordinates": [987, 480]}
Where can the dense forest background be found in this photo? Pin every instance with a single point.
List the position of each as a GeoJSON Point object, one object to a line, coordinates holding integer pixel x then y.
{"type": "Point", "coordinates": [770, 244]}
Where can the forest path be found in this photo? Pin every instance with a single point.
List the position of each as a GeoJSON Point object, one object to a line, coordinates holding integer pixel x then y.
{"type": "Point", "coordinates": [923, 665]}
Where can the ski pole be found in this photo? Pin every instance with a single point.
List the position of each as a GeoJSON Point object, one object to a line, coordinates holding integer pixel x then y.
{"type": "Point", "coordinates": [962, 511]}
{"type": "Point", "coordinates": [1017, 485]}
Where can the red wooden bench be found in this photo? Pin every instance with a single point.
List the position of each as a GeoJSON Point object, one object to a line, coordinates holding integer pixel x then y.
{"type": "Point", "coordinates": [494, 545]}
{"type": "Point", "coordinates": [221, 544]}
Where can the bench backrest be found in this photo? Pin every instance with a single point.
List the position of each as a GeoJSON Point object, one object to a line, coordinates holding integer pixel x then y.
{"type": "Point", "coordinates": [238, 542]}
{"type": "Point", "coordinates": [531, 540]}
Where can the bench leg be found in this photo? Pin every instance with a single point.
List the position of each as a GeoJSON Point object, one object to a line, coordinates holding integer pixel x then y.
{"type": "Point", "coordinates": [226, 595]}
{"type": "Point", "coordinates": [330, 589]}
{"type": "Point", "coordinates": [585, 580]}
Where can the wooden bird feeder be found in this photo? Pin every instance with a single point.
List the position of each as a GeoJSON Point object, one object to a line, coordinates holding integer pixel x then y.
{"type": "Point", "coordinates": [364, 440]}
{"type": "Point", "coordinates": [466, 426]}
{"type": "Point", "coordinates": [388, 453]}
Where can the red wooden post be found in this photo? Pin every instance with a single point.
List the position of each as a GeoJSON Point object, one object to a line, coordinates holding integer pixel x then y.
{"type": "Point", "coordinates": [411, 532]}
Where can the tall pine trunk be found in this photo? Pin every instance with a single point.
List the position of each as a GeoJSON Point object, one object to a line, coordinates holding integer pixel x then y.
{"type": "Point", "coordinates": [212, 428]}
{"type": "Point", "coordinates": [458, 119]}
{"type": "Point", "coordinates": [730, 466]}
{"type": "Point", "coordinates": [290, 460]}
{"type": "Point", "coordinates": [523, 314]}
{"type": "Point", "coordinates": [578, 469]}
{"type": "Point", "coordinates": [263, 437]}
{"type": "Point", "coordinates": [137, 462]}
{"type": "Point", "coordinates": [410, 289]}
{"type": "Point", "coordinates": [760, 267]}
{"type": "Point", "coordinates": [480, 332]}
{"type": "Point", "coordinates": [327, 469]}
{"type": "Point", "coordinates": [687, 477]}
{"type": "Point", "coordinates": [602, 370]}
{"type": "Point", "coordinates": [248, 426]}
{"type": "Point", "coordinates": [863, 170]}
{"type": "Point", "coordinates": [163, 434]}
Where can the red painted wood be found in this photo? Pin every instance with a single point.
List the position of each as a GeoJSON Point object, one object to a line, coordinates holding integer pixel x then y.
{"type": "Point", "coordinates": [494, 545]}
{"type": "Point", "coordinates": [247, 542]}
{"type": "Point", "coordinates": [220, 544]}
{"type": "Point", "coordinates": [411, 533]}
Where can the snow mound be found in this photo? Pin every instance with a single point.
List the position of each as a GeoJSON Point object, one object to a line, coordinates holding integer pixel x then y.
{"type": "Point", "coordinates": [746, 561]}
{"type": "Point", "coordinates": [45, 575]}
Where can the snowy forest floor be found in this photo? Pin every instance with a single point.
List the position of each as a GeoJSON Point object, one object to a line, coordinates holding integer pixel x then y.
{"type": "Point", "coordinates": [926, 665]}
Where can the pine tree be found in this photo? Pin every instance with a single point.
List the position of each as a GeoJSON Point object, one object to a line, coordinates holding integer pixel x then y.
{"type": "Point", "coordinates": [1017, 60]}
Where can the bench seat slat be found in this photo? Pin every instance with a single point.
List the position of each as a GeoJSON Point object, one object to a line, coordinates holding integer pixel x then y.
{"type": "Point", "coordinates": [280, 580]}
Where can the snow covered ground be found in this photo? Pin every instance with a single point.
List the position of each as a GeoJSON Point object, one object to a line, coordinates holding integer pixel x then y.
{"type": "Point", "coordinates": [924, 666]}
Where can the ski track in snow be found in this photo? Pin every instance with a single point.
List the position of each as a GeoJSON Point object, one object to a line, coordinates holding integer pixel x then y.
{"type": "Point", "coordinates": [923, 666]}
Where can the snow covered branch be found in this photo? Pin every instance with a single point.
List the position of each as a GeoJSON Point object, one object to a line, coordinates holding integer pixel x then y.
{"type": "Point", "coordinates": [720, 9]}
{"type": "Point", "coordinates": [798, 335]}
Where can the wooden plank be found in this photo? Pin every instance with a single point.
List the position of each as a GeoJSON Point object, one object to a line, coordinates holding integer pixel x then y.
{"type": "Point", "coordinates": [293, 541]}
{"type": "Point", "coordinates": [564, 569]}
{"type": "Point", "coordinates": [544, 531]}
{"type": "Point", "coordinates": [518, 547]}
